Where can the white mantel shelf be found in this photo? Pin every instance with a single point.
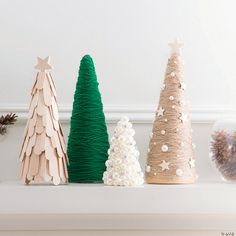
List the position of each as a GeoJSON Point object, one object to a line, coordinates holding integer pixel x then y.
{"type": "Point", "coordinates": [94, 206]}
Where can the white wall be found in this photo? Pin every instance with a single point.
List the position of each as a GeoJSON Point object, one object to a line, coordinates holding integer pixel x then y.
{"type": "Point", "coordinates": [128, 40]}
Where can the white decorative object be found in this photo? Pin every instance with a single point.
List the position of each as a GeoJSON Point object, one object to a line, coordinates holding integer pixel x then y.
{"type": "Point", "coordinates": [123, 168]}
{"type": "Point", "coordinates": [164, 148]}
{"type": "Point", "coordinates": [183, 85]}
{"type": "Point", "coordinates": [182, 102]}
{"type": "Point", "coordinates": [163, 86]}
{"type": "Point", "coordinates": [160, 111]}
{"type": "Point", "coordinates": [179, 172]}
{"type": "Point", "coordinates": [164, 165]}
{"type": "Point", "coordinates": [176, 46]}
{"type": "Point", "coordinates": [148, 168]}
{"type": "Point", "coordinates": [163, 132]}
{"type": "Point", "coordinates": [183, 117]}
{"type": "Point", "coordinates": [192, 163]}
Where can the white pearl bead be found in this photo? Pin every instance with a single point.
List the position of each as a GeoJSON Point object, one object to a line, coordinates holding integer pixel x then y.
{"type": "Point", "coordinates": [171, 98]}
{"type": "Point", "coordinates": [172, 74]}
{"type": "Point", "coordinates": [125, 119]}
{"type": "Point", "coordinates": [163, 132]}
{"type": "Point", "coordinates": [179, 172]}
{"type": "Point", "coordinates": [164, 148]}
{"type": "Point", "coordinates": [148, 169]}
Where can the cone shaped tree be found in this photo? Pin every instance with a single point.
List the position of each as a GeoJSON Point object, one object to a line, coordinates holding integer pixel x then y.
{"type": "Point", "coordinates": [170, 154]}
{"type": "Point", "coordinates": [123, 168]}
{"type": "Point", "coordinates": [88, 139]}
{"type": "Point", "coordinates": [43, 154]}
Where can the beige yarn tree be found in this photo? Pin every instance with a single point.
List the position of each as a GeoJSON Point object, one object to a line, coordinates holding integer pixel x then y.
{"type": "Point", "coordinates": [170, 154]}
{"type": "Point", "coordinates": [43, 154]}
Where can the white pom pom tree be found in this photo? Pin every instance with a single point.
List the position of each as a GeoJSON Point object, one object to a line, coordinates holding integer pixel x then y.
{"type": "Point", "coordinates": [123, 168]}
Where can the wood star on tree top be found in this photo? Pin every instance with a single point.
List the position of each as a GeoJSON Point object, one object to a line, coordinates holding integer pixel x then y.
{"type": "Point", "coordinates": [176, 46]}
{"type": "Point", "coordinates": [43, 64]}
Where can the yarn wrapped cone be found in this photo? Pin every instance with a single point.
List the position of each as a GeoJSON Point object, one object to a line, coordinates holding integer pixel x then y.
{"type": "Point", "coordinates": [171, 156]}
{"type": "Point", "coordinates": [88, 138]}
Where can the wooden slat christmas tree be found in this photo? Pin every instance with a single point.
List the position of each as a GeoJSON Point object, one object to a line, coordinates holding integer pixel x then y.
{"type": "Point", "coordinates": [43, 154]}
{"type": "Point", "coordinates": [170, 154]}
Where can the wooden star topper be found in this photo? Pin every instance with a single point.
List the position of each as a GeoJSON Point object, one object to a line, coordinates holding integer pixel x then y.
{"type": "Point", "coordinates": [176, 46]}
{"type": "Point", "coordinates": [43, 64]}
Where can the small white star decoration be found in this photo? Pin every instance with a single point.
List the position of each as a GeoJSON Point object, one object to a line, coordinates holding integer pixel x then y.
{"type": "Point", "coordinates": [164, 165]}
{"type": "Point", "coordinates": [183, 85]}
{"type": "Point", "coordinates": [43, 64]}
{"type": "Point", "coordinates": [192, 163]}
{"type": "Point", "coordinates": [176, 46]}
{"type": "Point", "coordinates": [182, 102]}
{"type": "Point", "coordinates": [160, 111]}
{"type": "Point", "coordinates": [183, 117]}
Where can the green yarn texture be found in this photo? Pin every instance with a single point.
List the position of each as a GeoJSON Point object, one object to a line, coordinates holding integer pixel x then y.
{"type": "Point", "coordinates": [88, 139]}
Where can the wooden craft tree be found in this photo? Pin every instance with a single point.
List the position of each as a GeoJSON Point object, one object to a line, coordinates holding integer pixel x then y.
{"type": "Point", "coordinates": [170, 154]}
{"type": "Point", "coordinates": [43, 154]}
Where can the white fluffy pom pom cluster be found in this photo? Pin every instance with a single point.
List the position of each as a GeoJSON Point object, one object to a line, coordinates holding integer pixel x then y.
{"type": "Point", "coordinates": [123, 168]}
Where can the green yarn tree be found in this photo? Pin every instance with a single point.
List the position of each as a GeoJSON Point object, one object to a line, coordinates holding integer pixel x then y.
{"type": "Point", "coordinates": [88, 139]}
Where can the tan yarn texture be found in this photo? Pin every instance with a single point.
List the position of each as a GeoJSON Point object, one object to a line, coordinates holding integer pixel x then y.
{"type": "Point", "coordinates": [172, 131]}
